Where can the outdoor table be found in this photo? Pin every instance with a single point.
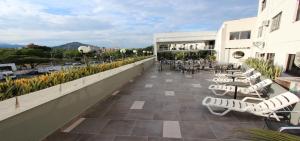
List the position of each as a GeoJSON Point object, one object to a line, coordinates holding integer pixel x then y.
{"type": "Point", "coordinates": [233, 71]}
{"type": "Point", "coordinates": [237, 84]}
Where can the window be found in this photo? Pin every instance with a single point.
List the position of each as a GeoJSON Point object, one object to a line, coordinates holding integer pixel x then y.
{"type": "Point", "coordinates": [245, 35]}
{"type": "Point", "coordinates": [163, 47]}
{"type": "Point", "coordinates": [6, 68]}
{"type": "Point", "coordinates": [260, 31]}
{"type": "Point", "coordinates": [240, 35]}
{"type": "Point", "coordinates": [263, 5]}
{"type": "Point", "coordinates": [234, 35]}
{"type": "Point", "coordinates": [276, 22]}
{"type": "Point", "coordinates": [298, 11]}
{"type": "Point", "coordinates": [292, 67]}
{"type": "Point", "coordinates": [270, 57]}
{"type": "Point", "coordinates": [238, 54]}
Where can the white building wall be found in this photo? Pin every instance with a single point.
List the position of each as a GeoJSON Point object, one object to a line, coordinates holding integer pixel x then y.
{"type": "Point", "coordinates": [218, 45]}
{"type": "Point", "coordinates": [184, 36]}
{"type": "Point", "coordinates": [223, 42]}
{"type": "Point", "coordinates": [285, 40]}
{"type": "Point", "coordinates": [183, 39]}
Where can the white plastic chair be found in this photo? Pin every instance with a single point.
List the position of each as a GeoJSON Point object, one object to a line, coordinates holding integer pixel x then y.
{"type": "Point", "coordinates": [265, 108]}
{"type": "Point", "coordinates": [251, 90]}
{"type": "Point", "coordinates": [242, 79]}
{"type": "Point", "coordinates": [245, 74]}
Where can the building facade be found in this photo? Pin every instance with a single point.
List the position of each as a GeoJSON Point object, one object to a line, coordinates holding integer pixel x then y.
{"type": "Point", "coordinates": [274, 35]}
{"type": "Point", "coordinates": [183, 41]}
{"type": "Point", "coordinates": [234, 40]}
{"type": "Point", "coordinates": [278, 33]}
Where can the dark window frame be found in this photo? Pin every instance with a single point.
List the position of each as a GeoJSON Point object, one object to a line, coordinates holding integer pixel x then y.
{"type": "Point", "coordinates": [260, 31]}
{"type": "Point", "coordinates": [270, 57]}
{"type": "Point", "coordinates": [239, 36]}
{"type": "Point", "coordinates": [263, 5]}
{"type": "Point", "coordinates": [248, 35]}
{"type": "Point", "coordinates": [276, 20]}
{"type": "Point", "coordinates": [298, 12]}
{"type": "Point", "coordinates": [231, 37]}
{"type": "Point", "coordinates": [238, 54]}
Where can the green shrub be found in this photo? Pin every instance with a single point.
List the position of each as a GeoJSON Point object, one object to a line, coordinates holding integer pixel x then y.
{"type": "Point", "coordinates": [12, 88]}
{"type": "Point", "coordinates": [267, 69]}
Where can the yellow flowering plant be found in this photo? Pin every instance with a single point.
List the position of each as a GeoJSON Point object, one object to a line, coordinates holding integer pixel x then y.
{"type": "Point", "coordinates": [11, 88]}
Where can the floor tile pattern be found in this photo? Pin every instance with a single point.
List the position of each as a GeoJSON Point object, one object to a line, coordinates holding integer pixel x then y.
{"type": "Point", "coordinates": [114, 120]}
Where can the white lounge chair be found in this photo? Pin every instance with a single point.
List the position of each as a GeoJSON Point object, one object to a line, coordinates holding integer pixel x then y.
{"type": "Point", "coordinates": [242, 79]}
{"type": "Point", "coordinates": [245, 74]}
{"type": "Point", "coordinates": [251, 90]}
{"type": "Point", "coordinates": [265, 108]}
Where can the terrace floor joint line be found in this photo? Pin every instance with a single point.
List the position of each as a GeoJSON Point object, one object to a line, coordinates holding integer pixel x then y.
{"type": "Point", "coordinates": [73, 125]}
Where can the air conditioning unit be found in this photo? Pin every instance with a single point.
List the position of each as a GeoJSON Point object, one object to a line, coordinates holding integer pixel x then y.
{"type": "Point", "coordinates": [259, 44]}
{"type": "Point", "coordinates": [266, 23]}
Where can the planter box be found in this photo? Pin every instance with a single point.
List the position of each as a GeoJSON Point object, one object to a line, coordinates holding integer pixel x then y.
{"type": "Point", "coordinates": [42, 112]}
{"type": "Point", "coordinates": [286, 81]}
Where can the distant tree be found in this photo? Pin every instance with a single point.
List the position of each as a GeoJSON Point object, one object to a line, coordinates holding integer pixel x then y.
{"type": "Point", "coordinates": [57, 53]}
{"type": "Point", "coordinates": [31, 54]}
{"type": "Point", "coordinates": [35, 50]}
{"type": "Point", "coordinates": [149, 48]}
{"type": "Point", "coordinates": [111, 55]}
{"type": "Point", "coordinates": [33, 61]}
{"type": "Point", "coordinates": [33, 46]}
{"type": "Point", "coordinates": [71, 54]}
{"type": "Point", "coordinates": [5, 53]}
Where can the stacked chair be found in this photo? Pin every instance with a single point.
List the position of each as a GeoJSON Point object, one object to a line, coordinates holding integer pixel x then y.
{"type": "Point", "coordinates": [249, 79]}
{"type": "Point", "coordinates": [265, 108]}
{"type": "Point", "coordinates": [255, 104]}
{"type": "Point", "coordinates": [251, 90]}
{"type": "Point", "coordinates": [244, 74]}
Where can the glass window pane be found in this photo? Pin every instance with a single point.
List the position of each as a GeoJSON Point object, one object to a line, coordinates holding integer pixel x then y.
{"type": "Point", "coordinates": [260, 30]}
{"type": "Point", "coordinates": [245, 35]}
{"type": "Point", "coordinates": [276, 22]}
{"type": "Point", "coordinates": [263, 5]}
{"type": "Point", "coordinates": [234, 35]}
{"type": "Point", "coordinates": [298, 12]}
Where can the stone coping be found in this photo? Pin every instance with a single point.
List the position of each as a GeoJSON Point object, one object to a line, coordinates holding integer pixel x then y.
{"type": "Point", "coordinates": [28, 101]}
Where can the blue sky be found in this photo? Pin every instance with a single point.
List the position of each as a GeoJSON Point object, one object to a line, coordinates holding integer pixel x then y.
{"type": "Point", "coordinates": [112, 23]}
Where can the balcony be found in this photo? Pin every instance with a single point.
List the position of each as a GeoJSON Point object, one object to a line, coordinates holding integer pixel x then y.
{"type": "Point", "coordinates": [135, 102]}
{"type": "Point", "coordinates": [157, 106]}
{"type": "Point", "coordinates": [166, 49]}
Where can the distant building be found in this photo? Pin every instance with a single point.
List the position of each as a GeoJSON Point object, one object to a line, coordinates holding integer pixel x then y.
{"type": "Point", "coordinates": [275, 36]}
{"type": "Point", "coordinates": [234, 40]}
{"type": "Point", "coordinates": [184, 41]}
{"type": "Point", "coordinates": [104, 49]}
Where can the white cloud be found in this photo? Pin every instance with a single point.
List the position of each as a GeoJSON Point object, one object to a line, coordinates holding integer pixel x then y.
{"type": "Point", "coordinates": [129, 23]}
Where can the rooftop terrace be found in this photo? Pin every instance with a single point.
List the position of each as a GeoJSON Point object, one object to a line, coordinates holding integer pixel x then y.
{"type": "Point", "coordinates": [158, 106]}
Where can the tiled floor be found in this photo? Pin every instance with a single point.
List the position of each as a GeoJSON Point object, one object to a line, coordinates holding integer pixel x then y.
{"type": "Point", "coordinates": [141, 109]}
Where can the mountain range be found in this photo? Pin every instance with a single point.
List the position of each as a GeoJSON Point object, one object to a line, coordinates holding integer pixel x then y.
{"type": "Point", "coordinates": [67, 46]}
{"type": "Point", "coordinates": [72, 46]}
{"type": "Point", "coordinates": [4, 45]}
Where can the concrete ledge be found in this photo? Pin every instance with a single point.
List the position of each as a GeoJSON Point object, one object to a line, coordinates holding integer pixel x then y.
{"type": "Point", "coordinates": [42, 112]}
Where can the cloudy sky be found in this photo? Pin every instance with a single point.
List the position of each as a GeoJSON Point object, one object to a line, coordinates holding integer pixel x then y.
{"type": "Point", "coordinates": [112, 23]}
